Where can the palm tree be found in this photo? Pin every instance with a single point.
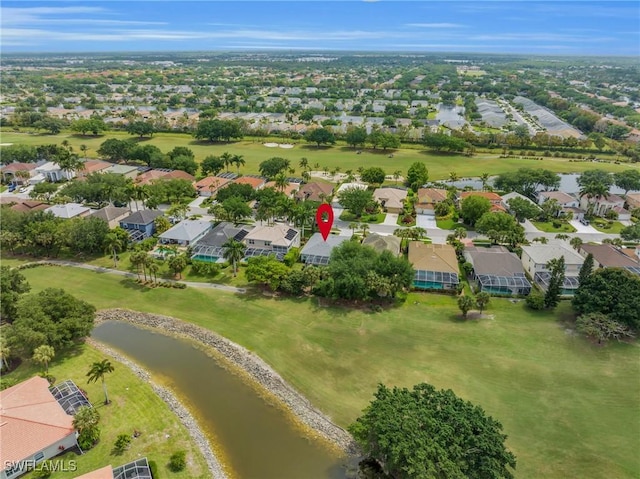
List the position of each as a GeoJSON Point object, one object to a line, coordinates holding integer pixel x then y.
{"type": "Point", "coordinates": [576, 242]}
{"type": "Point", "coordinates": [113, 244]}
{"type": "Point", "coordinates": [281, 182]}
{"type": "Point", "coordinates": [484, 177]}
{"type": "Point", "coordinates": [353, 226]}
{"type": "Point", "coordinates": [453, 177]}
{"type": "Point", "coordinates": [227, 159]}
{"type": "Point", "coordinates": [396, 175]}
{"type": "Point", "coordinates": [460, 233]}
{"type": "Point", "coordinates": [233, 251]}
{"type": "Point", "coordinates": [154, 267]}
{"type": "Point", "coordinates": [83, 149]}
{"type": "Point", "coordinates": [98, 371]}
{"type": "Point", "coordinates": [239, 161]}
{"type": "Point", "coordinates": [304, 163]}
{"type": "Point", "coordinates": [68, 161]}
{"type": "Point", "coordinates": [562, 236]}
{"type": "Point", "coordinates": [306, 176]}
{"type": "Point", "coordinates": [43, 354]}
{"type": "Point", "coordinates": [85, 419]}
{"type": "Point", "coordinates": [364, 227]}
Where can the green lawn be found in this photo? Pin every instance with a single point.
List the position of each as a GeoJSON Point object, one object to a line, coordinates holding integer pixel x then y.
{"type": "Point", "coordinates": [548, 227]}
{"type": "Point", "coordinates": [570, 408]}
{"type": "Point", "coordinates": [365, 218]}
{"type": "Point", "coordinates": [439, 165]}
{"type": "Point", "coordinates": [601, 224]}
{"type": "Point", "coordinates": [134, 405]}
{"type": "Point", "coordinates": [449, 224]}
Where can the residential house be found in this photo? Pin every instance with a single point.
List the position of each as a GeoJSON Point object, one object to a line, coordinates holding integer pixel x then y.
{"type": "Point", "coordinates": [149, 176]}
{"type": "Point", "coordinates": [210, 247]}
{"type": "Point", "coordinates": [111, 215]}
{"type": "Point", "coordinates": [256, 182]}
{"type": "Point", "coordinates": [140, 224]}
{"type": "Point", "coordinates": [289, 190]}
{"type": "Point", "coordinates": [349, 186]}
{"type": "Point", "coordinates": [512, 195]}
{"type": "Point", "coordinates": [210, 185]}
{"type": "Point", "coordinates": [10, 172]}
{"type": "Point", "coordinates": [137, 469]}
{"type": "Point", "coordinates": [535, 258]}
{"type": "Point", "coordinates": [185, 233]}
{"type": "Point", "coordinates": [436, 265]}
{"type": "Point", "coordinates": [497, 271]}
{"type": "Point", "coordinates": [69, 210]}
{"type": "Point", "coordinates": [383, 243]}
{"type": "Point", "coordinates": [391, 199]}
{"type": "Point", "coordinates": [633, 201]}
{"type": "Point", "coordinates": [608, 256]}
{"type": "Point", "coordinates": [602, 204]}
{"type": "Point", "coordinates": [277, 239]}
{"type": "Point", "coordinates": [623, 214]}
{"type": "Point", "coordinates": [93, 166]}
{"type": "Point", "coordinates": [52, 172]}
{"type": "Point", "coordinates": [568, 204]}
{"type": "Point", "coordinates": [428, 198]}
{"type": "Point", "coordinates": [33, 425]}
{"type": "Point", "coordinates": [318, 250]}
{"type": "Point", "coordinates": [127, 171]}
{"type": "Point", "coordinates": [494, 199]}
{"type": "Point", "coordinates": [24, 206]}
{"type": "Point", "coordinates": [314, 191]}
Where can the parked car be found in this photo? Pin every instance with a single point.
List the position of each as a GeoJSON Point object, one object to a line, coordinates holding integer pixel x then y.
{"type": "Point", "coordinates": [23, 189]}
{"type": "Point", "coordinates": [12, 188]}
{"type": "Point", "coordinates": [584, 221]}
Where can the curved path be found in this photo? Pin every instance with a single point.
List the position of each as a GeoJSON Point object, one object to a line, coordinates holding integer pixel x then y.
{"type": "Point", "coordinates": [100, 269]}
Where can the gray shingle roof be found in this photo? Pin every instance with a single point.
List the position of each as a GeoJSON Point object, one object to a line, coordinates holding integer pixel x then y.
{"type": "Point", "coordinates": [143, 217]}
{"type": "Point", "coordinates": [316, 246]}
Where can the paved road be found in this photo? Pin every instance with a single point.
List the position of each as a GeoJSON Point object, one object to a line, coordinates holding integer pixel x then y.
{"type": "Point", "coordinates": [100, 269]}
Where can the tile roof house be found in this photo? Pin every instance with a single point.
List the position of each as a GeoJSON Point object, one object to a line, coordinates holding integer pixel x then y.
{"type": "Point", "coordinates": [318, 251]}
{"type": "Point", "coordinates": [127, 171]}
{"type": "Point", "coordinates": [314, 191]}
{"type": "Point", "coordinates": [256, 182]}
{"type": "Point", "coordinates": [602, 204]}
{"type": "Point", "coordinates": [24, 206]}
{"type": "Point", "coordinates": [512, 195]}
{"type": "Point", "coordinates": [150, 176]}
{"type": "Point", "coordinates": [209, 247]}
{"type": "Point", "coordinates": [436, 265]}
{"type": "Point", "coordinates": [137, 469]}
{"type": "Point", "coordinates": [607, 256]}
{"type": "Point", "coordinates": [93, 166]}
{"type": "Point", "coordinates": [497, 271]}
{"type": "Point", "coordinates": [633, 201]}
{"type": "Point", "coordinates": [536, 256]}
{"type": "Point", "coordinates": [288, 190]}
{"type": "Point", "coordinates": [277, 239]}
{"type": "Point", "coordinates": [494, 198]}
{"type": "Point", "coordinates": [381, 243]}
{"type": "Point", "coordinates": [428, 198]}
{"type": "Point", "coordinates": [561, 197]}
{"type": "Point", "coordinates": [185, 233]}
{"type": "Point", "coordinates": [391, 199]}
{"type": "Point", "coordinates": [52, 172]}
{"type": "Point", "coordinates": [9, 172]}
{"type": "Point", "coordinates": [140, 224]}
{"type": "Point", "coordinates": [111, 215]}
{"type": "Point", "coordinates": [210, 185]}
{"type": "Point", "coordinates": [33, 426]}
{"type": "Point", "coordinates": [69, 210]}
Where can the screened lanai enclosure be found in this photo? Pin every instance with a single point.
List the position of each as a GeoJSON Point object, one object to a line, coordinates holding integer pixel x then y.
{"type": "Point", "coordinates": [435, 280]}
{"type": "Point", "coordinates": [138, 469]}
{"type": "Point", "coordinates": [69, 396]}
{"type": "Point", "coordinates": [569, 285]}
{"type": "Point", "coordinates": [503, 285]}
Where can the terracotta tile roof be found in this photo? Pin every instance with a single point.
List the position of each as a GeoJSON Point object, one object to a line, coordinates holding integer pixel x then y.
{"type": "Point", "coordinates": [250, 180]}
{"type": "Point", "coordinates": [428, 196]}
{"type": "Point", "coordinates": [392, 197]}
{"type": "Point", "coordinates": [25, 206]}
{"type": "Point", "coordinates": [148, 176]}
{"type": "Point", "coordinates": [13, 167]}
{"type": "Point", "coordinates": [312, 191]}
{"type": "Point", "coordinates": [93, 166]}
{"type": "Point", "coordinates": [179, 175]}
{"type": "Point", "coordinates": [493, 197]}
{"type": "Point", "coordinates": [289, 190]}
{"type": "Point", "coordinates": [560, 196]}
{"type": "Point", "coordinates": [211, 183]}
{"type": "Point", "coordinates": [30, 420]}
{"type": "Point", "coordinates": [105, 472]}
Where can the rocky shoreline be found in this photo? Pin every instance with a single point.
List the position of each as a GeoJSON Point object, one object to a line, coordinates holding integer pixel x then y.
{"type": "Point", "coordinates": [215, 468]}
{"type": "Point", "coordinates": [248, 362]}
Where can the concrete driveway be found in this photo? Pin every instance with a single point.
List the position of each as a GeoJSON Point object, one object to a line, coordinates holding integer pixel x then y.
{"type": "Point", "coordinates": [427, 222]}
{"type": "Point", "coordinates": [391, 219]}
{"type": "Point", "coordinates": [580, 228]}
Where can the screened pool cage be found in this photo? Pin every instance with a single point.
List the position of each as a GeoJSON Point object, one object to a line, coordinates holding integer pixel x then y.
{"type": "Point", "coordinates": [138, 469]}
{"type": "Point", "coordinates": [69, 396]}
{"type": "Point", "coordinates": [504, 285]}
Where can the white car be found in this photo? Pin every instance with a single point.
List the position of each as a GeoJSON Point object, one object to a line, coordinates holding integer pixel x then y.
{"type": "Point", "coordinates": [23, 189]}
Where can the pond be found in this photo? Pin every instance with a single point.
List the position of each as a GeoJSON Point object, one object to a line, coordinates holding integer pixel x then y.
{"type": "Point", "coordinates": [258, 440]}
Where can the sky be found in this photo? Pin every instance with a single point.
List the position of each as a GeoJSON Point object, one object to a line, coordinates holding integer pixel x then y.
{"type": "Point", "coordinates": [525, 27]}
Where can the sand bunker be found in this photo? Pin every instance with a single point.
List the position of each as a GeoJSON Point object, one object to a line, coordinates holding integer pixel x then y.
{"type": "Point", "coordinates": [6, 144]}
{"type": "Point", "coordinates": [285, 145]}
{"type": "Point", "coordinates": [270, 145]}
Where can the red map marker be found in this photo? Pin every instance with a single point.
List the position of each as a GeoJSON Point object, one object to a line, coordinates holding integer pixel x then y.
{"type": "Point", "coordinates": [324, 219]}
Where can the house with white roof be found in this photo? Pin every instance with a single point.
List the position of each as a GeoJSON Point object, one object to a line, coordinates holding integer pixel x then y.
{"type": "Point", "coordinates": [318, 250]}
{"type": "Point", "coordinates": [535, 258]}
{"type": "Point", "coordinates": [53, 173]}
{"type": "Point", "coordinates": [603, 204]}
{"type": "Point", "coordinates": [69, 210]}
{"type": "Point", "coordinates": [277, 239]}
{"type": "Point", "coordinates": [185, 233]}
{"type": "Point", "coordinates": [391, 199]}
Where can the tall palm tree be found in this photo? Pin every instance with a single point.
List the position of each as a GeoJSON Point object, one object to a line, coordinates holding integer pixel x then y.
{"type": "Point", "coordinates": [113, 244]}
{"type": "Point", "coordinates": [281, 182]}
{"type": "Point", "coordinates": [353, 226]}
{"type": "Point", "coordinates": [484, 177]}
{"type": "Point", "coordinates": [239, 161]}
{"type": "Point", "coordinates": [576, 242]}
{"type": "Point", "coordinates": [154, 267]}
{"type": "Point", "coordinates": [227, 159]}
{"type": "Point", "coordinates": [306, 176]}
{"type": "Point", "coordinates": [364, 227]}
{"type": "Point", "coordinates": [304, 163]}
{"type": "Point", "coordinates": [43, 355]}
{"type": "Point", "coordinates": [453, 176]}
{"type": "Point", "coordinates": [396, 175]}
{"type": "Point", "coordinates": [68, 161]}
{"type": "Point", "coordinates": [233, 251]}
{"type": "Point", "coordinates": [97, 372]}
{"type": "Point", "coordinates": [83, 149]}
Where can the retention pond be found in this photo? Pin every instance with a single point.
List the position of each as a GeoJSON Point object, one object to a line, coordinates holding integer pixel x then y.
{"type": "Point", "coordinates": [256, 438]}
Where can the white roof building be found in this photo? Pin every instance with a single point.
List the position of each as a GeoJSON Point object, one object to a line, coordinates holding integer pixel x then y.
{"type": "Point", "coordinates": [186, 232]}
{"type": "Point", "coordinates": [68, 210]}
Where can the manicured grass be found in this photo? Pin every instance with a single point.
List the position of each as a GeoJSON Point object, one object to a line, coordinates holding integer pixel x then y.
{"type": "Point", "coordinates": [365, 218]}
{"type": "Point", "coordinates": [615, 227]}
{"type": "Point", "coordinates": [439, 165]}
{"type": "Point", "coordinates": [449, 224]}
{"type": "Point", "coordinates": [570, 408]}
{"type": "Point", "coordinates": [134, 405]}
{"type": "Point", "coordinates": [548, 227]}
